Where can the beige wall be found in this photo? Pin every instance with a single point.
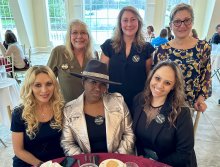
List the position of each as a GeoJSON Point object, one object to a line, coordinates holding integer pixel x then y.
{"type": "Point", "coordinates": [32, 24]}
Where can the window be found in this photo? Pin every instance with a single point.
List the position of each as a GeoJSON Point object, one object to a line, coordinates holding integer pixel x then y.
{"type": "Point", "coordinates": [101, 16]}
{"type": "Point", "coordinates": [57, 21]}
{"type": "Point", "coordinates": [169, 6]}
{"type": "Point", "coordinates": [6, 18]}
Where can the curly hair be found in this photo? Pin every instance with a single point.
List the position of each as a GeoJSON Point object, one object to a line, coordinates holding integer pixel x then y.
{"type": "Point", "coordinates": [178, 94]}
{"type": "Point", "coordinates": [29, 101]}
{"type": "Point", "coordinates": [117, 38]}
{"type": "Point", "coordinates": [69, 47]}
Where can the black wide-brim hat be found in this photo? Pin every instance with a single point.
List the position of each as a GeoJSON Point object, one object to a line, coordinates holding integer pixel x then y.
{"type": "Point", "coordinates": [97, 71]}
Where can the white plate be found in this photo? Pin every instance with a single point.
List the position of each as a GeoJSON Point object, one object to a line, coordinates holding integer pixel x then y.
{"type": "Point", "coordinates": [105, 162]}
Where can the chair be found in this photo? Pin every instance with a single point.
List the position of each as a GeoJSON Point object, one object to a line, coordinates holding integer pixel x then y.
{"type": "Point", "coordinates": [196, 122]}
{"type": "Point", "coordinates": [9, 112]}
{"type": "Point", "coordinates": [8, 62]}
{"type": "Point", "coordinates": [9, 115]}
{"type": "Point", "coordinates": [20, 72]}
{"type": "Point", "coordinates": [2, 142]}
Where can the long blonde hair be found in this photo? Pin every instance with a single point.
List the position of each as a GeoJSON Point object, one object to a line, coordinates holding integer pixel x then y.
{"type": "Point", "coordinates": [117, 38]}
{"type": "Point", "coordinates": [29, 102]}
{"type": "Point", "coordinates": [176, 96]}
{"type": "Point", "coordinates": [69, 47]}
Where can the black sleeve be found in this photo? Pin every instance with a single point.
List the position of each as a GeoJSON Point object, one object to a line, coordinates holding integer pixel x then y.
{"type": "Point", "coordinates": [107, 48]}
{"type": "Point", "coordinates": [184, 141]}
{"type": "Point", "coordinates": [150, 49]}
{"type": "Point", "coordinates": [17, 124]}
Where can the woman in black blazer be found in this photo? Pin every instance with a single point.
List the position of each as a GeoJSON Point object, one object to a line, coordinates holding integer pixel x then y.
{"type": "Point", "coordinates": [162, 120]}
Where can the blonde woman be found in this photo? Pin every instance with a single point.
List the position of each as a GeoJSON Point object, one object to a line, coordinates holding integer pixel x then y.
{"type": "Point", "coordinates": [128, 55]}
{"type": "Point", "coordinates": [37, 123]}
{"type": "Point", "coordinates": [72, 57]}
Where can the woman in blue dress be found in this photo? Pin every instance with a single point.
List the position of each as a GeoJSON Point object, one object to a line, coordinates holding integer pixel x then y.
{"type": "Point", "coordinates": [192, 55]}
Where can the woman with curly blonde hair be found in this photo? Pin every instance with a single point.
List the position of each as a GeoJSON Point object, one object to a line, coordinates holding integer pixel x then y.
{"type": "Point", "coordinates": [37, 123]}
{"type": "Point", "coordinates": [72, 57]}
{"type": "Point", "coordinates": [161, 118]}
{"type": "Point", "coordinates": [127, 55]}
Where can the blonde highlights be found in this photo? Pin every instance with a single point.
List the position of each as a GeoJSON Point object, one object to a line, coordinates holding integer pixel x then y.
{"type": "Point", "coordinates": [29, 102]}
{"type": "Point", "coordinates": [69, 47]}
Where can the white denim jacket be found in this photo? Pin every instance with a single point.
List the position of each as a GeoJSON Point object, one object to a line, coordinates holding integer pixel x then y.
{"type": "Point", "coordinates": [119, 133]}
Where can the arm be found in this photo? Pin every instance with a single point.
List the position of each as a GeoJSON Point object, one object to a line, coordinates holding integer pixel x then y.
{"type": "Point", "coordinates": [68, 142]}
{"type": "Point", "coordinates": [20, 152]}
{"type": "Point", "coordinates": [148, 65]}
{"type": "Point", "coordinates": [126, 145]}
{"type": "Point", "coordinates": [2, 49]}
{"type": "Point", "coordinates": [184, 140]}
{"type": "Point", "coordinates": [53, 61]}
{"type": "Point", "coordinates": [9, 51]}
{"type": "Point", "coordinates": [104, 58]}
{"type": "Point", "coordinates": [205, 79]}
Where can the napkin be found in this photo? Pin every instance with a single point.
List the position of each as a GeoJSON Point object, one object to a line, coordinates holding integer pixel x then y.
{"type": "Point", "coordinates": [50, 164]}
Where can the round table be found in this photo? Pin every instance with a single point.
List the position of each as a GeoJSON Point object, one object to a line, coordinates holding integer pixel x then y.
{"type": "Point", "coordinates": [9, 94]}
{"type": "Point", "coordinates": [140, 161]}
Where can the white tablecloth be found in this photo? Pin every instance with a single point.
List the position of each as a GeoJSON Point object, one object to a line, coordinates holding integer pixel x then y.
{"type": "Point", "coordinates": [9, 95]}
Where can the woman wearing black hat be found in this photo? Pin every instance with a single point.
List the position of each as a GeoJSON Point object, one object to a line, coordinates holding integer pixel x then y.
{"type": "Point", "coordinates": [97, 121]}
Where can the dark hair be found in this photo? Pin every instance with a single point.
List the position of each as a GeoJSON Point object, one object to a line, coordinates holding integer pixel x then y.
{"type": "Point", "coordinates": [151, 28]}
{"type": "Point", "coordinates": [180, 7]}
{"type": "Point", "coordinates": [178, 94]}
{"type": "Point", "coordinates": [10, 37]}
{"type": "Point", "coordinates": [163, 33]}
{"type": "Point", "coordinates": [217, 27]}
{"type": "Point", "coordinates": [194, 33]}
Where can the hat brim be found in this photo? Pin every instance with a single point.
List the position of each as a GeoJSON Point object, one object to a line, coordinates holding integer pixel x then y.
{"type": "Point", "coordinates": [95, 78]}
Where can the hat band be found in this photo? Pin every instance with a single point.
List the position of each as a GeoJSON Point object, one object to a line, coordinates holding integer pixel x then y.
{"type": "Point", "coordinates": [94, 74]}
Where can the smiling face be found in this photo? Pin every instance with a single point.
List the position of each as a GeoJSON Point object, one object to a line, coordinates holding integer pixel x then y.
{"type": "Point", "coordinates": [79, 37]}
{"type": "Point", "coordinates": [185, 28]}
{"type": "Point", "coordinates": [43, 88]}
{"type": "Point", "coordinates": [162, 82]}
{"type": "Point", "coordinates": [129, 24]}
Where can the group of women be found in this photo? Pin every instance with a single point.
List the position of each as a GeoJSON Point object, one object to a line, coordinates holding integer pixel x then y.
{"type": "Point", "coordinates": [109, 106]}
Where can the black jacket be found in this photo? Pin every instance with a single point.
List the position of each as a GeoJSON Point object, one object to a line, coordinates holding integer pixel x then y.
{"type": "Point", "coordinates": [173, 145]}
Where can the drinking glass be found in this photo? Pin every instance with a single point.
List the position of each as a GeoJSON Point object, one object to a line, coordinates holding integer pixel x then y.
{"type": "Point", "coordinates": [89, 165]}
{"type": "Point", "coordinates": [131, 164]}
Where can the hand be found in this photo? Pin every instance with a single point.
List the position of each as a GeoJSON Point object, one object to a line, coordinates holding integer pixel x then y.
{"type": "Point", "coordinates": [200, 105]}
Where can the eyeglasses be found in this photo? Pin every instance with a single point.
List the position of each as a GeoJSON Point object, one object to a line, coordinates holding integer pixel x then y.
{"type": "Point", "coordinates": [76, 33]}
{"type": "Point", "coordinates": [178, 23]}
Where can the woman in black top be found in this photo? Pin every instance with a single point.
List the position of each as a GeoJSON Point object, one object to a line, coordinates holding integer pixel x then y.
{"type": "Point", "coordinates": [36, 124]}
{"type": "Point", "coordinates": [162, 120]}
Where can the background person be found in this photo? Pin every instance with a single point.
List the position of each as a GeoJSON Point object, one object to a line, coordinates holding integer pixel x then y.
{"type": "Point", "coordinates": [161, 39]}
{"type": "Point", "coordinates": [36, 124]}
{"type": "Point", "coordinates": [97, 121]}
{"type": "Point", "coordinates": [15, 49]}
{"type": "Point", "coordinates": [150, 34]}
{"type": "Point", "coordinates": [169, 33]}
{"type": "Point", "coordinates": [162, 121]}
{"type": "Point", "coordinates": [192, 55]}
{"type": "Point", "coordinates": [72, 57]}
{"type": "Point", "coordinates": [128, 55]}
{"type": "Point", "coordinates": [216, 36]}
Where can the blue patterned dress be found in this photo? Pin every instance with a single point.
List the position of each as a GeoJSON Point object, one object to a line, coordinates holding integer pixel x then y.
{"type": "Point", "coordinates": [195, 64]}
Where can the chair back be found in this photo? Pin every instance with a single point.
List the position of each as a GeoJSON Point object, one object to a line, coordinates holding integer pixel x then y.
{"type": "Point", "coordinates": [9, 112]}
{"type": "Point", "coordinates": [8, 62]}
